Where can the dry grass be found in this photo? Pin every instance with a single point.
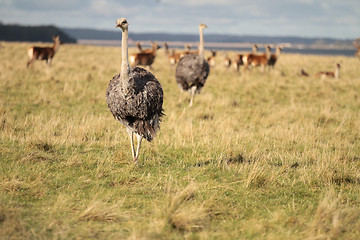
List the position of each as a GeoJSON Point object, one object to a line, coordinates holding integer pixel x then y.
{"type": "Point", "coordinates": [258, 156]}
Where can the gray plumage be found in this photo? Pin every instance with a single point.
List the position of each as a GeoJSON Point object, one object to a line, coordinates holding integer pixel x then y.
{"type": "Point", "coordinates": [192, 71]}
{"type": "Point", "coordinates": [138, 104]}
{"type": "Point", "coordinates": [135, 97]}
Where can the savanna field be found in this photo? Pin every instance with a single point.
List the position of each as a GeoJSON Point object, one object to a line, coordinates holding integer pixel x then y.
{"type": "Point", "coordinates": [258, 156]}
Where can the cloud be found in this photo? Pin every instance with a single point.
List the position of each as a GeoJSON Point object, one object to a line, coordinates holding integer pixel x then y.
{"type": "Point", "coordinates": [282, 17]}
{"type": "Point", "coordinates": [46, 5]}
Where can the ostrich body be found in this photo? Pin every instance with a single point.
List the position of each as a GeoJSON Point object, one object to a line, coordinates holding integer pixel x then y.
{"type": "Point", "coordinates": [193, 70]}
{"type": "Point", "coordinates": [135, 97]}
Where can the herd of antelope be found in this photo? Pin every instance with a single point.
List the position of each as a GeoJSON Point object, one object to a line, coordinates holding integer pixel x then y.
{"type": "Point", "coordinates": [265, 60]}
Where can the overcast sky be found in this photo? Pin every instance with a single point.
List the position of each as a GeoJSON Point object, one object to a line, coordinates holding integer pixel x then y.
{"type": "Point", "coordinates": [307, 18]}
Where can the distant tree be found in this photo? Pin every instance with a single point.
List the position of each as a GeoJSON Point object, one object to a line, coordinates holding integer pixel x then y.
{"type": "Point", "coordinates": [32, 33]}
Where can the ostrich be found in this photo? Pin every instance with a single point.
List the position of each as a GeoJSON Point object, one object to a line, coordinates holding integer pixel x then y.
{"type": "Point", "coordinates": [192, 69]}
{"type": "Point", "coordinates": [135, 97]}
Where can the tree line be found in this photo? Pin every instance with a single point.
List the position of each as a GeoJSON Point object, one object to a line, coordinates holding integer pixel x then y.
{"type": "Point", "coordinates": [32, 33]}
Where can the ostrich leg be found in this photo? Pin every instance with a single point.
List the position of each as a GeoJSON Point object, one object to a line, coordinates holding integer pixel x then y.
{"type": "Point", "coordinates": [131, 133]}
{"type": "Point", "coordinates": [193, 90]}
{"type": "Point", "coordinates": [139, 138]}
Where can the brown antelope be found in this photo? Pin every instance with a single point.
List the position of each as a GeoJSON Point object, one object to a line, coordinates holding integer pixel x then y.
{"type": "Point", "coordinates": [227, 61]}
{"type": "Point", "coordinates": [254, 60]}
{"type": "Point", "coordinates": [174, 57]}
{"type": "Point", "coordinates": [145, 58]}
{"type": "Point", "coordinates": [166, 48]}
{"type": "Point", "coordinates": [238, 61]}
{"type": "Point", "coordinates": [188, 50]}
{"type": "Point", "coordinates": [357, 45]}
{"type": "Point", "coordinates": [153, 46]}
{"type": "Point", "coordinates": [274, 57]}
{"type": "Point", "coordinates": [254, 51]}
{"type": "Point", "coordinates": [211, 60]}
{"type": "Point", "coordinates": [303, 73]}
{"type": "Point", "coordinates": [335, 74]}
{"type": "Point", "coordinates": [43, 53]}
{"type": "Point", "coordinates": [139, 46]}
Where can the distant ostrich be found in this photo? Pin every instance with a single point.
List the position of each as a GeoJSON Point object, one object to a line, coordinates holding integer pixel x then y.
{"type": "Point", "coordinates": [192, 69]}
{"type": "Point", "coordinates": [135, 97]}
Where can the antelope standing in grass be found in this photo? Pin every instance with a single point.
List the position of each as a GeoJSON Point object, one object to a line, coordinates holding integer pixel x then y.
{"type": "Point", "coordinates": [145, 58]}
{"type": "Point", "coordinates": [139, 46]}
{"type": "Point", "coordinates": [188, 50]}
{"type": "Point", "coordinates": [303, 73]}
{"type": "Point", "coordinates": [254, 49]}
{"type": "Point", "coordinates": [335, 74]}
{"type": "Point", "coordinates": [43, 53]}
{"type": "Point", "coordinates": [274, 57]}
{"type": "Point", "coordinates": [227, 61]}
{"type": "Point", "coordinates": [174, 57]}
{"type": "Point", "coordinates": [254, 60]}
{"type": "Point", "coordinates": [166, 48]}
{"type": "Point", "coordinates": [211, 60]}
{"type": "Point", "coordinates": [238, 61]}
{"type": "Point", "coordinates": [357, 45]}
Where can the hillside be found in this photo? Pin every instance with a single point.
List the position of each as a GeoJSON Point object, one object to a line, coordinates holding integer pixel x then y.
{"type": "Point", "coordinates": [91, 34]}
{"type": "Point", "coordinates": [32, 33]}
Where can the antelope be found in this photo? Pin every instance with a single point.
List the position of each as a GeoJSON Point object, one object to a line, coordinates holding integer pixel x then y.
{"type": "Point", "coordinates": [145, 57]}
{"type": "Point", "coordinates": [238, 61]}
{"type": "Point", "coordinates": [335, 74]}
{"type": "Point", "coordinates": [258, 60]}
{"type": "Point", "coordinates": [211, 60]}
{"type": "Point", "coordinates": [357, 45]}
{"type": "Point", "coordinates": [274, 57]}
{"type": "Point", "coordinates": [303, 73]}
{"type": "Point", "coordinates": [139, 47]}
{"type": "Point", "coordinates": [188, 50]}
{"type": "Point", "coordinates": [254, 51]}
{"type": "Point", "coordinates": [174, 57]}
{"type": "Point", "coordinates": [43, 53]}
{"type": "Point", "coordinates": [166, 47]}
{"type": "Point", "coordinates": [227, 61]}
{"type": "Point", "coordinates": [153, 46]}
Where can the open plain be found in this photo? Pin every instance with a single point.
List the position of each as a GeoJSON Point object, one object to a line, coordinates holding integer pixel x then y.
{"type": "Point", "coordinates": [257, 156]}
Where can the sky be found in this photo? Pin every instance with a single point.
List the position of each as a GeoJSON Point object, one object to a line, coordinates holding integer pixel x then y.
{"type": "Point", "coordinates": [304, 18]}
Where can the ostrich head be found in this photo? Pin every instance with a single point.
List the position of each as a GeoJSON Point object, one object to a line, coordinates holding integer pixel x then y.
{"type": "Point", "coordinates": [122, 23]}
{"type": "Point", "coordinates": [202, 26]}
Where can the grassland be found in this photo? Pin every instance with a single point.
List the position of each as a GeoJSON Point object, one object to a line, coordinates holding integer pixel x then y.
{"type": "Point", "coordinates": [258, 156]}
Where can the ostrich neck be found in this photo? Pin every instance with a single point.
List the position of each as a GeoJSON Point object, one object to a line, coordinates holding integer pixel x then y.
{"type": "Point", "coordinates": [201, 45]}
{"type": "Point", "coordinates": [125, 68]}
